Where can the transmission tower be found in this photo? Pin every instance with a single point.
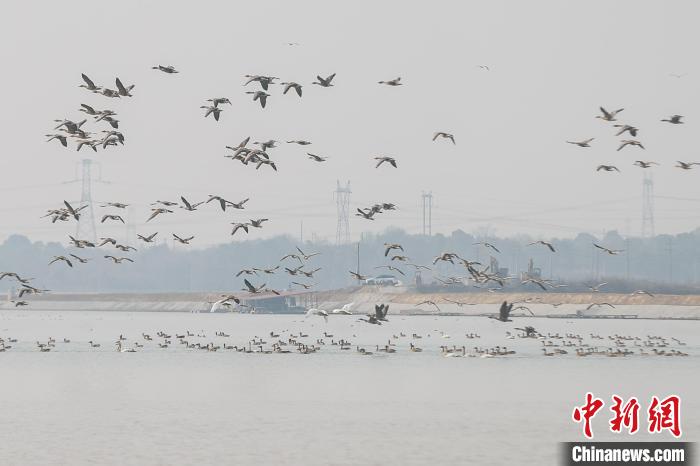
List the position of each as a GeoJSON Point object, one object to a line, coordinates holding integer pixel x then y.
{"type": "Point", "coordinates": [86, 223]}
{"type": "Point", "coordinates": [427, 209]}
{"type": "Point", "coordinates": [342, 198]}
{"type": "Point", "coordinates": [647, 206]}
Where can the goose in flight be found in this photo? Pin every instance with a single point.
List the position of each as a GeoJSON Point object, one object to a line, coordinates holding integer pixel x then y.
{"type": "Point", "coordinates": [300, 142]}
{"type": "Point", "coordinates": [430, 303]}
{"type": "Point", "coordinates": [418, 266]}
{"type": "Point", "coordinates": [441, 134]}
{"type": "Point", "coordinates": [104, 241]}
{"type": "Point", "coordinates": [269, 271]}
{"type": "Point", "coordinates": [392, 82]}
{"type": "Point", "coordinates": [584, 143]}
{"type": "Point", "coordinates": [261, 96]}
{"type": "Point", "coordinates": [544, 243]}
{"type": "Point", "coordinates": [74, 212]}
{"type": "Point", "coordinates": [222, 202]}
{"type": "Point", "coordinates": [182, 240]}
{"type": "Point", "coordinates": [632, 130]}
{"type": "Point", "coordinates": [317, 312]}
{"type": "Point", "coordinates": [81, 243]}
{"type": "Point", "coordinates": [643, 292]}
{"type": "Point", "coordinates": [189, 206]}
{"type": "Point", "coordinates": [61, 258]}
{"type": "Point", "coordinates": [264, 81]}
{"type": "Point", "coordinates": [309, 274]}
{"type": "Point", "coordinates": [539, 283]}
{"type": "Point", "coordinates": [70, 127]}
{"type": "Point", "coordinates": [270, 144]}
{"type": "Point", "coordinates": [389, 160]}
{"type": "Point", "coordinates": [252, 289]}
{"type": "Point", "coordinates": [674, 120]}
{"type": "Point", "coordinates": [118, 260]}
{"type": "Point", "coordinates": [357, 276]}
{"type": "Point", "coordinates": [487, 245]}
{"type": "Point", "coordinates": [292, 256]}
{"type": "Point", "coordinates": [400, 258]}
{"type": "Point", "coordinates": [257, 223]}
{"type": "Point", "coordinates": [390, 267]}
{"type": "Point", "coordinates": [608, 116]}
{"type": "Point", "coordinates": [504, 312]}
{"type": "Point", "coordinates": [596, 288]}
{"type": "Point", "coordinates": [89, 84]}
{"type": "Point", "coordinates": [124, 248]}
{"type": "Point", "coordinates": [607, 168]}
{"type": "Point", "coordinates": [79, 259]}
{"type": "Point", "coordinates": [612, 252]}
{"type": "Point", "coordinates": [216, 101]}
{"type": "Point", "coordinates": [239, 226]}
{"type": "Point", "coordinates": [591, 306]}
{"type": "Point", "coordinates": [390, 247]}
{"type": "Point", "coordinates": [686, 165]}
{"type": "Point", "coordinates": [247, 272]}
{"type": "Point", "coordinates": [60, 137]}
{"type": "Point", "coordinates": [165, 69]}
{"type": "Point", "coordinates": [324, 82]}
{"type": "Point", "coordinates": [629, 142]}
{"type": "Point", "coordinates": [116, 205]}
{"type": "Point", "coordinates": [239, 205]}
{"type": "Point", "coordinates": [316, 158]}
{"type": "Point", "coordinates": [212, 109]}
{"type": "Point", "coordinates": [157, 212]}
{"type": "Point", "coordinates": [306, 256]}
{"type": "Point", "coordinates": [292, 85]}
{"type": "Point", "coordinates": [124, 91]}
{"type": "Point", "coordinates": [366, 215]}
{"type": "Point", "coordinates": [446, 257]}
{"type": "Point", "coordinates": [112, 217]}
{"type": "Point", "coordinates": [643, 164]}
{"type": "Point", "coordinates": [303, 285]}
{"type": "Point", "coordinates": [147, 239]}
{"type": "Point", "coordinates": [344, 310]}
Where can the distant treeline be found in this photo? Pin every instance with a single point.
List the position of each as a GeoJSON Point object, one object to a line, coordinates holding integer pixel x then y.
{"type": "Point", "coordinates": [664, 263]}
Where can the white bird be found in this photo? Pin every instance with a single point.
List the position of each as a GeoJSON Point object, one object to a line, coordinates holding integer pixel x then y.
{"type": "Point", "coordinates": [317, 312]}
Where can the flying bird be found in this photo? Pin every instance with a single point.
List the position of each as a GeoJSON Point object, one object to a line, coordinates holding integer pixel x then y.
{"type": "Point", "coordinates": [392, 82]}
{"type": "Point", "coordinates": [444, 135]}
{"type": "Point", "coordinates": [629, 142]}
{"type": "Point", "coordinates": [609, 251]}
{"type": "Point", "coordinates": [674, 120]}
{"type": "Point", "coordinates": [165, 69]}
{"type": "Point", "coordinates": [584, 143]}
{"type": "Point", "coordinates": [608, 116]}
{"type": "Point", "coordinates": [182, 240]}
{"type": "Point", "coordinates": [607, 168]}
{"type": "Point", "coordinates": [389, 160]}
{"type": "Point", "coordinates": [544, 243]}
{"type": "Point", "coordinates": [324, 82]}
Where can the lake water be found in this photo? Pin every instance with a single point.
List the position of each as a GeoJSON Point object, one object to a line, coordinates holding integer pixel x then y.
{"type": "Point", "coordinates": [79, 405]}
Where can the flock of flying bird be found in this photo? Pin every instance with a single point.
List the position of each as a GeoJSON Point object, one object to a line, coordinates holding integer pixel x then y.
{"type": "Point", "coordinates": [611, 116]}
{"type": "Point", "coordinates": [68, 130]}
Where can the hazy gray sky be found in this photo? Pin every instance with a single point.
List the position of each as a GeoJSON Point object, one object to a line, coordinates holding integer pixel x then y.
{"type": "Point", "coordinates": [552, 64]}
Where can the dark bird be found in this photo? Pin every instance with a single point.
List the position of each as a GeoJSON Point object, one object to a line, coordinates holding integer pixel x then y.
{"type": "Point", "coordinates": [61, 258]}
{"type": "Point", "coordinates": [182, 240]}
{"type": "Point", "coordinates": [674, 120]}
{"type": "Point", "coordinates": [544, 243]}
{"type": "Point", "coordinates": [392, 82]}
{"type": "Point", "coordinates": [584, 143]}
{"type": "Point", "coordinates": [609, 251]}
{"type": "Point", "coordinates": [324, 82]}
{"type": "Point", "coordinates": [504, 312]}
{"type": "Point", "coordinates": [607, 168]}
{"type": "Point", "coordinates": [165, 69]}
{"type": "Point", "coordinates": [629, 142]}
{"type": "Point", "coordinates": [389, 160]}
{"type": "Point", "coordinates": [112, 217]}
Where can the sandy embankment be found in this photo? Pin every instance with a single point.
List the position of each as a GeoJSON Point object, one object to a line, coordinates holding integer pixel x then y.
{"type": "Point", "coordinates": [402, 300]}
